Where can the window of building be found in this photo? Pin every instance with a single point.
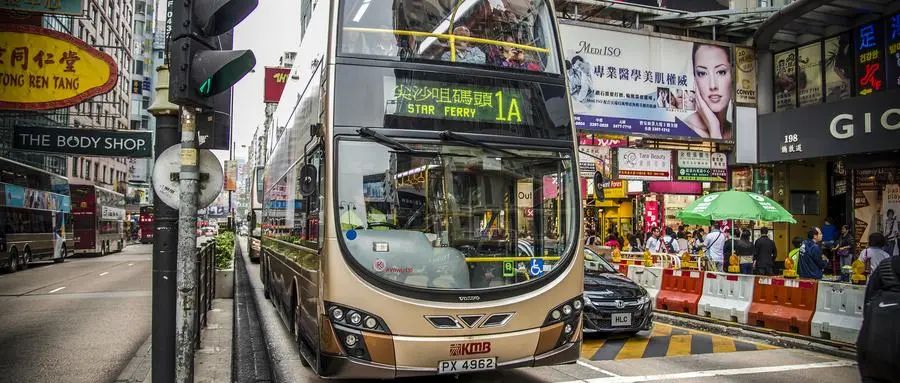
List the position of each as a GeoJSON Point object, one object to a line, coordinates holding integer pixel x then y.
{"type": "Point", "coordinates": [75, 163]}
{"type": "Point", "coordinates": [145, 122]}
{"type": "Point", "coordinates": [87, 170]}
{"type": "Point", "coordinates": [139, 67]}
{"type": "Point", "coordinates": [804, 202]}
{"type": "Point", "coordinates": [145, 103]}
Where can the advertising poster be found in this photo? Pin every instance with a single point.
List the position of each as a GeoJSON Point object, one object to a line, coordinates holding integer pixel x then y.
{"type": "Point", "coordinates": [745, 77]}
{"type": "Point", "coordinates": [230, 175]}
{"type": "Point", "coordinates": [869, 59]}
{"type": "Point", "coordinates": [890, 207]}
{"type": "Point", "coordinates": [626, 83]}
{"type": "Point", "coordinates": [838, 68]}
{"type": "Point", "coordinates": [892, 38]}
{"type": "Point", "coordinates": [651, 215]}
{"type": "Point", "coordinates": [643, 164]}
{"type": "Point", "coordinates": [809, 75]}
{"type": "Point", "coordinates": [785, 83]}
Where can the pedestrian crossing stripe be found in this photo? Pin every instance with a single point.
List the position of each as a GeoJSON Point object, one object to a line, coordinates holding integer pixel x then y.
{"type": "Point", "coordinates": [665, 341]}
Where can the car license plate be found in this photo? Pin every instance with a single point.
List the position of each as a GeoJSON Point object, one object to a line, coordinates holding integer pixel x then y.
{"type": "Point", "coordinates": [621, 319]}
{"type": "Point", "coordinates": [464, 365]}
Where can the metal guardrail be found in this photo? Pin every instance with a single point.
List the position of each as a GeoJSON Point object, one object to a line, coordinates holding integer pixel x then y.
{"type": "Point", "coordinates": [206, 285]}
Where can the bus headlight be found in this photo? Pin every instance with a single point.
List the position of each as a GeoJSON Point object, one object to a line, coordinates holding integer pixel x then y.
{"type": "Point", "coordinates": [351, 340]}
{"type": "Point", "coordinates": [355, 318]}
{"type": "Point", "coordinates": [337, 314]}
{"type": "Point", "coordinates": [567, 310]}
{"type": "Point", "coordinates": [371, 323]}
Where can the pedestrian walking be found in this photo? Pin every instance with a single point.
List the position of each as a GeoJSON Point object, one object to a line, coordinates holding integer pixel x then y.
{"type": "Point", "coordinates": [812, 262]}
{"type": "Point", "coordinates": [670, 244]}
{"type": "Point", "coordinates": [654, 243]}
{"type": "Point", "coordinates": [764, 253]}
{"type": "Point", "coordinates": [878, 349]}
{"type": "Point", "coordinates": [874, 254]}
{"type": "Point", "coordinates": [715, 246]}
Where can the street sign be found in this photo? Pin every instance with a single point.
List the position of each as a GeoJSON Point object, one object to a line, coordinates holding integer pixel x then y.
{"type": "Point", "coordinates": [508, 269]}
{"type": "Point", "coordinates": [89, 142]}
{"type": "Point", "coordinates": [166, 181]}
{"type": "Point", "coordinates": [46, 69]}
{"type": "Point", "coordinates": [536, 267]}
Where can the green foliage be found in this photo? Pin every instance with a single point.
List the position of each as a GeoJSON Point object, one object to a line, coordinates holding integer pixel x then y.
{"type": "Point", "coordinates": [224, 250]}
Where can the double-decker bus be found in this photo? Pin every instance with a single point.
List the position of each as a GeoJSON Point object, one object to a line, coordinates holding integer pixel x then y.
{"type": "Point", "coordinates": [145, 223]}
{"type": "Point", "coordinates": [99, 216]}
{"type": "Point", "coordinates": [421, 210]}
{"type": "Point", "coordinates": [35, 216]}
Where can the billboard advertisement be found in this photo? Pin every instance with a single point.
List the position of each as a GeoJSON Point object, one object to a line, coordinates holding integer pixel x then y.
{"type": "Point", "coordinates": [838, 68]}
{"type": "Point", "coordinates": [809, 74]}
{"type": "Point", "coordinates": [745, 76]}
{"type": "Point", "coordinates": [625, 83]}
{"type": "Point", "coordinates": [275, 80]}
{"type": "Point", "coordinates": [785, 84]}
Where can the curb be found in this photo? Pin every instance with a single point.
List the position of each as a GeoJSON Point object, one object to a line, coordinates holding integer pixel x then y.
{"type": "Point", "coordinates": [776, 338]}
{"type": "Point", "coordinates": [138, 368]}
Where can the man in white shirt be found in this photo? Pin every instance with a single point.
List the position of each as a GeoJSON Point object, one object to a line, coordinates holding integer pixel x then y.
{"type": "Point", "coordinates": [670, 244]}
{"type": "Point", "coordinates": [715, 246]}
{"type": "Point", "coordinates": [654, 244]}
{"type": "Point", "coordinates": [874, 254]}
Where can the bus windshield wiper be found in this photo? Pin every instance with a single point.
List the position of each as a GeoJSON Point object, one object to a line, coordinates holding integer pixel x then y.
{"type": "Point", "coordinates": [453, 136]}
{"type": "Point", "coordinates": [385, 140]}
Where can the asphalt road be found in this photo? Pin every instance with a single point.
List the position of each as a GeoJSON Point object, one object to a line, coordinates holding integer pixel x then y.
{"type": "Point", "coordinates": [665, 354]}
{"type": "Point", "coordinates": [78, 321]}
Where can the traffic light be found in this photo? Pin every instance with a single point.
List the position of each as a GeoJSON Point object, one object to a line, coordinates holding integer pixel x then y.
{"type": "Point", "coordinates": [200, 68]}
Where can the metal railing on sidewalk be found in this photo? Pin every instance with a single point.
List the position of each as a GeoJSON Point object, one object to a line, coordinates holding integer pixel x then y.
{"type": "Point", "coordinates": [206, 285]}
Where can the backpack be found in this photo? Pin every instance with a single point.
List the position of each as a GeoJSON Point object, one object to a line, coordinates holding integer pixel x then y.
{"type": "Point", "coordinates": [668, 245]}
{"type": "Point", "coordinates": [878, 345]}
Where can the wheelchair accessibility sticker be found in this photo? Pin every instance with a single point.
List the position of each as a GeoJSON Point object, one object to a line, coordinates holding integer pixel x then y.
{"type": "Point", "coordinates": [536, 268]}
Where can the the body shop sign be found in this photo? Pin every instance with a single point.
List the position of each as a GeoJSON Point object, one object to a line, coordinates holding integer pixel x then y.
{"type": "Point", "coordinates": [643, 164]}
{"type": "Point", "coordinates": [43, 69]}
{"type": "Point", "coordinates": [91, 142]}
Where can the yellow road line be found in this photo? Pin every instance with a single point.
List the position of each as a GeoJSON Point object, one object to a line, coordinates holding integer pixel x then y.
{"type": "Point", "coordinates": [661, 330]}
{"type": "Point", "coordinates": [679, 345]}
{"type": "Point", "coordinates": [633, 349]}
{"type": "Point", "coordinates": [590, 347]}
{"type": "Point", "coordinates": [723, 344]}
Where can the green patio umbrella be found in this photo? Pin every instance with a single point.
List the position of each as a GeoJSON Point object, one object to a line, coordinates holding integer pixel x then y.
{"type": "Point", "coordinates": [734, 205]}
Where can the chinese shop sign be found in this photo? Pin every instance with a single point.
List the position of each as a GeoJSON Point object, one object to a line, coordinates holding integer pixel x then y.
{"type": "Point", "coordinates": [42, 69]}
{"type": "Point", "coordinates": [643, 164]}
{"type": "Point", "coordinates": [701, 166]}
{"type": "Point", "coordinates": [276, 79]}
{"type": "Point", "coordinates": [893, 51]}
{"type": "Point", "coordinates": [869, 59]}
{"type": "Point", "coordinates": [447, 101]}
{"type": "Point", "coordinates": [65, 7]}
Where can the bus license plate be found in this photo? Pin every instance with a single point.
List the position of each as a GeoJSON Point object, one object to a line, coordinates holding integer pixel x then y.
{"type": "Point", "coordinates": [621, 319]}
{"type": "Point", "coordinates": [464, 365]}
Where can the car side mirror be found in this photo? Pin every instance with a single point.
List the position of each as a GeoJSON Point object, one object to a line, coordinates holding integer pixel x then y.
{"type": "Point", "coordinates": [598, 186]}
{"type": "Point", "coordinates": [308, 180]}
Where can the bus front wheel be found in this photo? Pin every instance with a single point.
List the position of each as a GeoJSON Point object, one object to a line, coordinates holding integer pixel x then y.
{"type": "Point", "coordinates": [26, 260]}
{"type": "Point", "coordinates": [62, 258]}
{"type": "Point", "coordinates": [13, 265]}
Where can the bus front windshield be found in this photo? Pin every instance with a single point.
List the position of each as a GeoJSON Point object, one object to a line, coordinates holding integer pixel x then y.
{"type": "Point", "coordinates": [507, 34]}
{"type": "Point", "coordinates": [455, 217]}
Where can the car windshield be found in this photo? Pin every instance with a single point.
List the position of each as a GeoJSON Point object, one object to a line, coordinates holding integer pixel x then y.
{"type": "Point", "coordinates": [509, 34]}
{"type": "Point", "coordinates": [455, 216]}
{"type": "Point", "coordinates": [593, 262]}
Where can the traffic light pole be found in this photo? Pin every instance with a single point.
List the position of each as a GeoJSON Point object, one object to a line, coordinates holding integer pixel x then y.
{"type": "Point", "coordinates": [189, 179]}
{"type": "Point", "coordinates": [165, 236]}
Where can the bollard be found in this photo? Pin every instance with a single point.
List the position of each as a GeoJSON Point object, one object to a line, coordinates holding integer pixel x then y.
{"type": "Point", "coordinates": [789, 271]}
{"type": "Point", "coordinates": [648, 259]}
{"type": "Point", "coordinates": [734, 263]}
{"type": "Point", "coordinates": [859, 269]}
{"type": "Point", "coordinates": [616, 255]}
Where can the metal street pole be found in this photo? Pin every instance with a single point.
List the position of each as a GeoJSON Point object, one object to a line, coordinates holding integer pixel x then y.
{"type": "Point", "coordinates": [165, 236]}
{"type": "Point", "coordinates": [189, 179]}
{"type": "Point", "coordinates": [231, 212]}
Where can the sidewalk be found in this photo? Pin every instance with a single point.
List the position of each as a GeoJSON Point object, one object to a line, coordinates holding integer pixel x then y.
{"type": "Point", "coordinates": [212, 362]}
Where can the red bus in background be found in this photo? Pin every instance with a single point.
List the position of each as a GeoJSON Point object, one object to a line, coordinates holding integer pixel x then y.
{"type": "Point", "coordinates": [145, 224]}
{"type": "Point", "coordinates": [99, 219]}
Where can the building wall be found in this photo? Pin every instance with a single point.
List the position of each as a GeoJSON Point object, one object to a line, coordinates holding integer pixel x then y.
{"type": "Point", "coordinates": [801, 176]}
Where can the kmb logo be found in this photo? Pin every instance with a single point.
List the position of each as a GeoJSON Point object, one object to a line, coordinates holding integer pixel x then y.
{"type": "Point", "coordinates": [457, 349]}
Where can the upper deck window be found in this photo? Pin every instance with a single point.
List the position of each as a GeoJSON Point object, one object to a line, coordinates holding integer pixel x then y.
{"type": "Point", "coordinates": [509, 34]}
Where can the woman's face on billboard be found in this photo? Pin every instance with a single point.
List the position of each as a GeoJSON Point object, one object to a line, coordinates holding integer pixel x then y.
{"type": "Point", "coordinates": [712, 72]}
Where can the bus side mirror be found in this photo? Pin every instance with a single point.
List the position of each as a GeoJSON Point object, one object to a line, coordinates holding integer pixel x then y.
{"type": "Point", "coordinates": [598, 186]}
{"type": "Point", "coordinates": [308, 180]}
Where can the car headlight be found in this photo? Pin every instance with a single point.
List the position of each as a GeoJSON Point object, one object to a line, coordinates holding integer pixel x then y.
{"type": "Point", "coordinates": [643, 300]}
{"type": "Point", "coordinates": [587, 301]}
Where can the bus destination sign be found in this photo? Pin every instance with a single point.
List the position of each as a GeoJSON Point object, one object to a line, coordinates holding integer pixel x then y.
{"type": "Point", "coordinates": [450, 101]}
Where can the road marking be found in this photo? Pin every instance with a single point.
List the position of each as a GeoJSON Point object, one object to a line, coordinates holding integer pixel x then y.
{"type": "Point", "coordinates": [104, 273]}
{"type": "Point", "coordinates": [56, 289]}
{"type": "Point", "coordinates": [595, 368]}
{"type": "Point", "coordinates": [726, 372]}
{"type": "Point", "coordinates": [130, 264]}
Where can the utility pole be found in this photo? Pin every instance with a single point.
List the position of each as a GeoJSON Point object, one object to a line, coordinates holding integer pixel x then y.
{"type": "Point", "coordinates": [230, 211]}
{"type": "Point", "coordinates": [165, 236]}
{"type": "Point", "coordinates": [189, 180]}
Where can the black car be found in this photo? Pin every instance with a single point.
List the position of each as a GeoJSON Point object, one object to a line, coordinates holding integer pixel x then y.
{"type": "Point", "coordinates": [612, 302]}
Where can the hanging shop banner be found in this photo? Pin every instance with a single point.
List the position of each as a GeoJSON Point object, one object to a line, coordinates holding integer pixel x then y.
{"type": "Point", "coordinates": [701, 166]}
{"type": "Point", "coordinates": [869, 58]}
{"type": "Point", "coordinates": [890, 207]}
{"type": "Point", "coordinates": [89, 142]}
{"type": "Point", "coordinates": [809, 75]}
{"type": "Point", "coordinates": [276, 79]}
{"type": "Point", "coordinates": [62, 7]}
{"type": "Point", "coordinates": [892, 37]}
{"type": "Point", "coordinates": [636, 84]}
{"type": "Point", "coordinates": [45, 69]}
{"type": "Point", "coordinates": [230, 175]}
{"type": "Point", "coordinates": [643, 164]}
{"type": "Point", "coordinates": [651, 215]}
{"type": "Point", "coordinates": [745, 77]}
{"type": "Point", "coordinates": [785, 84]}
{"type": "Point", "coordinates": [838, 68]}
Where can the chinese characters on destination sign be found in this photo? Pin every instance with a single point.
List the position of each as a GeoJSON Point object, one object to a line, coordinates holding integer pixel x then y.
{"type": "Point", "coordinates": [431, 99]}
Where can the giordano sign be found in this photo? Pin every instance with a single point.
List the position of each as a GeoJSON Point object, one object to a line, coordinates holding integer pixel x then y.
{"type": "Point", "coordinates": [43, 69]}
{"type": "Point", "coordinates": [863, 124]}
